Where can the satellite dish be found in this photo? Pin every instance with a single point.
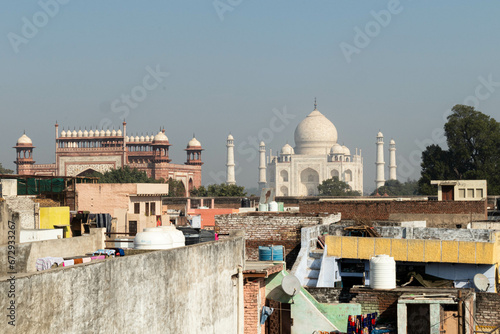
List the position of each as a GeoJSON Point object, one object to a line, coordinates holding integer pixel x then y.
{"type": "Point", "coordinates": [481, 282]}
{"type": "Point", "coordinates": [290, 285]}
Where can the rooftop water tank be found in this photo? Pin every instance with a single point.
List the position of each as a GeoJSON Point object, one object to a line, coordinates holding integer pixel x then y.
{"type": "Point", "coordinates": [177, 236]}
{"type": "Point", "coordinates": [152, 238]}
{"type": "Point", "coordinates": [382, 272]}
{"type": "Point", "coordinates": [273, 206]}
{"type": "Point", "coordinates": [271, 253]}
{"type": "Point", "coordinates": [263, 207]}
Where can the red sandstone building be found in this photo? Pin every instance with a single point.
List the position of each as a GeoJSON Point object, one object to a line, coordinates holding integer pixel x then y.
{"type": "Point", "coordinates": [80, 153]}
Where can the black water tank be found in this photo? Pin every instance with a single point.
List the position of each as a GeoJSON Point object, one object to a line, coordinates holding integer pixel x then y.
{"type": "Point", "coordinates": [498, 203]}
{"type": "Point", "coordinates": [245, 202]}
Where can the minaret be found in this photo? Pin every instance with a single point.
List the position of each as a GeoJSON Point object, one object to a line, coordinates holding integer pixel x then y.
{"type": "Point", "coordinates": [230, 160]}
{"type": "Point", "coordinates": [262, 165]}
{"type": "Point", "coordinates": [392, 160]}
{"type": "Point", "coordinates": [380, 176]}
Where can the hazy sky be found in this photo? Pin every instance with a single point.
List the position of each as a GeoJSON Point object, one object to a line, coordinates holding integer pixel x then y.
{"type": "Point", "coordinates": [251, 68]}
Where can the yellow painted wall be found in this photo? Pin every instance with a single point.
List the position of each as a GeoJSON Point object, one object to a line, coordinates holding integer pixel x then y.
{"type": "Point", "coordinates": [55, 216]}
{"type": "Point", "coordinates": [416, 250]}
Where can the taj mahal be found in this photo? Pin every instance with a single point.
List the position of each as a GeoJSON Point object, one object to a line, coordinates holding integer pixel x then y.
{"type": "Point", "coordinates": [317, 156]}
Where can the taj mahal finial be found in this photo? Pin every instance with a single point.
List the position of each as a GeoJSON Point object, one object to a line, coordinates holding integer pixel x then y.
{"type": "Point", "coordinates": [315, 104]}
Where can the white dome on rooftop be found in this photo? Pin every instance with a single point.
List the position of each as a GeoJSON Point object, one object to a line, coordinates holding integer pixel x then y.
{"type": "Point", "coordinates": [24, 140]}
{"type": "Point", "coordinates": [102, 133]}
{"type": "Point", "coordinates": [119, 132]}
{"type": "Point", "coordinates": [113, 133]}
{"type": "Point", "coordinates": [91, 133]}
{"type": "Point", "coordinates": [287, 149]}
{"type": "Point", "coordinates": [315, 135]}
{"type": "Point", "coordinates": [194, 143]}
{"type": "Point", "coordinates": [230, 137]}
{"type": "Point", "coordinates": [337, 149]}
{"type": "Point", "coordinates": [160, 137]}
{"type": "Point", "coordinates": [63, 133]}
{"type": "Point", "coordinates": [74, 134]}
{"type": "Point", "coordinates": [108, 133]}
{"type": "Point", "coordinates": [346, 150]}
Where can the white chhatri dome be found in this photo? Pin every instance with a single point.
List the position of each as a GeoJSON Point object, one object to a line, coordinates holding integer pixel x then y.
{"type": "Point", "coordinates": [63, 133]}
{"type": "Point", "coordinates": [230, 137]}
{"type": "Point", "coordinates": [194, 143]}
{"type": "Point", "coordinates": [102, 133]}
{"type": "Point", "coordinates": [24, 140]}
{"type": "Point", "coordinates": [113, 133]}
{"type": "Point", "coordinates": [119, 132]}
{"type": "Point", "coordinates": [108, 133]}
{"type": "Point", "coordinates": [346, 150]}
{"type": "Point", "coordinates": [287, 149]}
{"type": "Point", "coordinates": [315, 135]}
{"type": "Point", "coordinates": [160, 137]}
{"type": "Point", "coordinates": [337, 149]}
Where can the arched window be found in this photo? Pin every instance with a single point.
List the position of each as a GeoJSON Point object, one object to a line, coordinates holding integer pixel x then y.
{"type": "Point", "coordinates": [284, 176]}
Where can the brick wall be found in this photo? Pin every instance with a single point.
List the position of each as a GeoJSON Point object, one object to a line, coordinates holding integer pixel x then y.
{"type": "Point", "coordinates": [387, 210]}
{"type": "Point", "coordinates": [254, 299]}
{"type": "Point", "coordinates": [264, 229]}
{"type": "Point", "coordinates": [488, 309]}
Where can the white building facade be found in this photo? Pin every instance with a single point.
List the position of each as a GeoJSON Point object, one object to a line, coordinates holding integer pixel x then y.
{"type": "Point", "coordinates": [317, 156]}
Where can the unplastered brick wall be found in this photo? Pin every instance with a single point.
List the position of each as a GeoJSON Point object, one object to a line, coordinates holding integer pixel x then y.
{"type": "Point", "coordinates": [264, 229]}
{"type": "Point", "coordinates": [254, 299]}
{"type": "Point", "coordinates": [487, 309]}
{"type": "Point", "coordinates": [384, 302]}
{"type": "Point", "coordinates": [387, 210]}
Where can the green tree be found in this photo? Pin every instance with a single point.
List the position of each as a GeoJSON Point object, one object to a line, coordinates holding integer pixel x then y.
{"type": "Point", "coordinates": [176, 188]}
{"type": "Point", "coordinates": [473, 140]}
{"type": "Point", "coordinates": [5, 170]}
{"type": "Point", "coordinates": [219, 190]}
{"type": "Point", "coordinates": [335, 187]}
{"type": "Point", "coordinates": [125, 175]}
{"type": "Point", "coordinates": [396, 188]}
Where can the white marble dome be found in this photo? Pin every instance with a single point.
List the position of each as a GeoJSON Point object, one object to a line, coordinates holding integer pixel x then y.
{"type": "Point", "coordinates": [337, 149]}
{"type": "Point", "coordinates": [80, 133]}
{"type": "Point", "coordinates": [315, 135]}
{"type": "Point", "coordinates": [75, 134]}
{"type": "Point", "coordinates": [91, 133]}
{"type": "Point", "coordinates": [392, 142]}
{"type": "Point", "coordinates": [194, 143]}
{"type": "Point", "coordinates": [63, 133]}
{"type": "Point", "coordinates": [113, 133]}
{"type": "Point", "coordinates": [346, 150]}
{"type": "Point", "coordinates": [230, 137]}
{"type": "Point", "coordinates": [160, 137]}
{"type": "Point", "coordinates": [102, 133]}
{"type": "Point", "coordinates": [108, 133]}
{"type": "Point", "coordinates": [119, 133]}
{"type": "Point", "coordinates": [287, 149]}
{"type": "Point", "coordinates": [24, 140]}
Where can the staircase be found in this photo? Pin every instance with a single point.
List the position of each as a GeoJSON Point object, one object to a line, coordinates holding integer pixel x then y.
{"type": "Point", "coordinates": [313, 267]}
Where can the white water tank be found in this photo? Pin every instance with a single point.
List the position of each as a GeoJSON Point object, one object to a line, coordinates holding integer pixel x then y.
{"type": "Point", "coordinates": [382, 272]}
{"type": "Point", "coordinates": [153, 238]}
{"type": "Point", "coordinates": [263, 207]}
{"type": "Point", "coordinates": [273, 206]}
{"type": "Point", "coordinates": [177, 236]}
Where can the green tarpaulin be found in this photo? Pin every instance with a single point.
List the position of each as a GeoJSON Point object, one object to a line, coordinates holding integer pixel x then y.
{"type": "Point", "coordinates": [34, 186]}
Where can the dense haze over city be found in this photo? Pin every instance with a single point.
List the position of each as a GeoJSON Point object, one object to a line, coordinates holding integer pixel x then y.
{"type": "Point", "coordinates": [247, 68]}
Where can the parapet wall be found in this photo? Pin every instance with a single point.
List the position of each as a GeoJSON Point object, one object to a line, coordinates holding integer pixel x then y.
{"type": "Point", "coordinates": [190, 289]}
{"type": "Point", "coordinates": [27, 253]}
{"type": "Point", "coordinates": [264, 229]}
{"type": "Point", "coordinates": [436, 213]}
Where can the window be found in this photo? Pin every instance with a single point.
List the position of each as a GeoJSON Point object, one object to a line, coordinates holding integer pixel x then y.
{"type": "Point", "coordinates": [479, 193]}
{"type": "Point", "coordinates": [153, 208]}
{"type": "Point", "coordinates": [137, 208]}
{"type": "Point", "coordinates": [461, 193]}
{"type": "Point", "coordinates": [470, 193]}
{"type": "Point", "coordinates": [132, 227]}
{"type": "Point", "coordinates": [147, 209]}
